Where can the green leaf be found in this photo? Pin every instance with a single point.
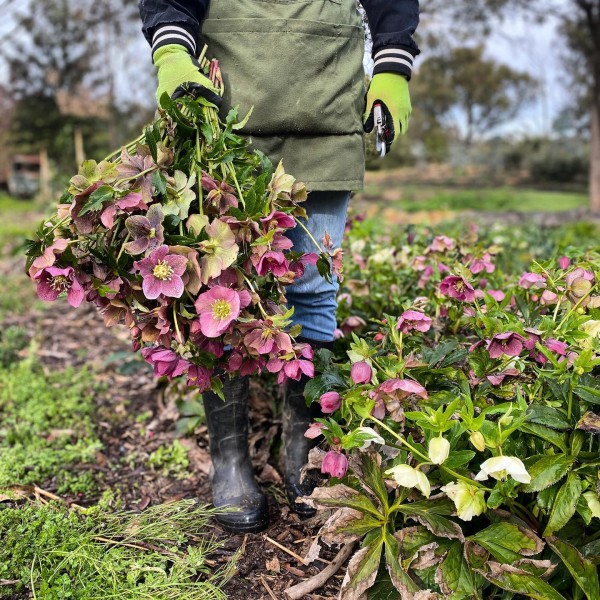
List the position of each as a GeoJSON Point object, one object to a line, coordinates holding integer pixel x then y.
{"type": "Point", "coordinates": [458, 458]}
{"type": "Point", "coordinates": [547, 471]}
{"type": "Point", "coordinates": [437, 524]}
{"type": "Point", "coordinates": [362, 570]}
{"type": "Point", "coordinates": [587, 393]}
{"type": "Point", "coordinates": [401, 580]}
{"type": "Point", "coordinates": [583, 570]}
{"type": "Point", "coordinates": [159, 182]}
{"type": "Point", "coordinates": [455, 575]}
{"type": "Point", "coordinates": [564, 505]}
{"type": "Point", "coordinates": [373, 479]}
{"type": "Point", "coordinates": [517, 581]}
{"type": "Point", "coordinates": [548, 435]}
{"type": "Point", "coordinates": [548, 416]}
{"type": "Point", "coordinates": [508, 542]}
{"type": "Point", "coordinates": [97, 198]}
{"type": "Point", "coordinates": [243, 122]}
{"type": "Point", "coordinates": [441, 352]}
{"type": "Point", "coordinates": [358, 502]}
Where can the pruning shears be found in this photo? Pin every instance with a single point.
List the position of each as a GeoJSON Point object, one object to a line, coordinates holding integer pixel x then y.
{"type": "Point", "coordinates": [381, 130]}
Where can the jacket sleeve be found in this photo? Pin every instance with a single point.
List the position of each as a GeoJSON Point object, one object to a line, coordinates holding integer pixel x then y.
{"type": "Point", "coordinates": [172, 22]}
{"type": "Point", "coordinates": [392, 24]}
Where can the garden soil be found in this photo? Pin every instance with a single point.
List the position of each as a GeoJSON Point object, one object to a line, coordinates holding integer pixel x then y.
{"type": "Point", "coordinates": [137, 414]}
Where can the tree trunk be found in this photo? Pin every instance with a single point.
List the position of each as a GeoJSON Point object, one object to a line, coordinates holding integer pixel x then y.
{"type": "Point", "coordinates": [595, 160]}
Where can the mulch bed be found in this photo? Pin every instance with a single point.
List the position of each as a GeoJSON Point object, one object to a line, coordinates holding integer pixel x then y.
{"type": "Point", "coordinates": [75, 338]}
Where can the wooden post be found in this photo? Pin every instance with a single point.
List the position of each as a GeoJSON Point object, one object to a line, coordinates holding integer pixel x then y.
{"type": "Point", "coordinates": [44, 174]}
{"type": "Point", "coordinates": [79, 152]}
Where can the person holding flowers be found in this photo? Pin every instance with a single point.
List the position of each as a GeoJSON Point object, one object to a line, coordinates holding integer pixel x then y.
{"type": "Point", "coordinates": [299, 65]}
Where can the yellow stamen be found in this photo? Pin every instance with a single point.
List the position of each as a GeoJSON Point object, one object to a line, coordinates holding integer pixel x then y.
{"type": "Point", "coordinates": [221, 309]}
{"type": "Point", "coordinates": [162, 270]}
{"type": "Point", "coordinates": [60, 283]}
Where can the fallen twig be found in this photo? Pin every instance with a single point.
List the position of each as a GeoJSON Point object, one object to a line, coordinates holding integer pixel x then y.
{"type": "Point", "coordinates": [288, 551]}
{"type": "Point", "coordinates": [298, 591]}
{"type": "Point", "coordinates": [269, 590]}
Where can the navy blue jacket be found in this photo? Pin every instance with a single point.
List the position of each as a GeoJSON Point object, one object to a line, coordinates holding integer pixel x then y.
{"type": "Point", "coordinates": [392, 24]}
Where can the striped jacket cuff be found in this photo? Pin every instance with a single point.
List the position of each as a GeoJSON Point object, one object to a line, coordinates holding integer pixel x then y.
{"type": "Point", "coordinates": [393, 59]}
{"type": "Point", "coordinates": [174, 34]}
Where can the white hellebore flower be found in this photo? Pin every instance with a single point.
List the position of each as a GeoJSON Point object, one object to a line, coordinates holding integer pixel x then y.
{"type": "Point", "coordinates": [593, 503]}
{"type": "Point", "coordinates": [439, 449]}
{"type": "Point", "coordinates": [469, 500]}
{"type": "Point", "coordinates": [500, 467]}
{"type": "Point", "coordinates": [369, 436]}
{"type": "Point", "coordinates": [408, 477]}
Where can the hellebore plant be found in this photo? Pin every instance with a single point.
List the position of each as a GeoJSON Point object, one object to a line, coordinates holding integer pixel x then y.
{"type": "Point", "coordinates": [461, 429]}
{"type": "Point", "coordinates": [181, 237]}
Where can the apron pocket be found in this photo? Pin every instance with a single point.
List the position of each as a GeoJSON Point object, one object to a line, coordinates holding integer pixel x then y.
{"type": "Point", "coordinates": [302, 77]}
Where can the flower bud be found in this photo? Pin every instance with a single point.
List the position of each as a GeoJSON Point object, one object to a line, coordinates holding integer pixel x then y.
{"type": "Point", "coordinates": [330, 402]}
{"type": "Point", "coordinates": [439, 449]}
{"type": "Point", "coordinates": [477, 440]}
{"type": "Point", "coordinates": [334, 464]}
{"type": "Point", "coordinates": [361, 372]}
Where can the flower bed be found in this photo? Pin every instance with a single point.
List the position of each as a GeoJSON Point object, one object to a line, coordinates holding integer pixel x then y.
{"type": "Point", "coordinates": [461, 420]}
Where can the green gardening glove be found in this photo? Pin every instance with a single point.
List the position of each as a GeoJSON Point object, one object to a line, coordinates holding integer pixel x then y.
{"type": "Point", "coordinates": [391, 91]}
{"type": "Point", "coordinates": [179, 74]}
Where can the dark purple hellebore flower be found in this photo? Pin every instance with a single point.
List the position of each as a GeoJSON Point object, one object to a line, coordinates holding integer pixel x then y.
{"type": "Point", "coordinates": [147, 231]}
{"type": "Point", "coordinates": [458, 288]}
{"type": "Point", "coordinates": [508, 343]}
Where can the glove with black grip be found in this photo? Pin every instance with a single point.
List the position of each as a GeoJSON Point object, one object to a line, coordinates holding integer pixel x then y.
{"type": "Point", "coordinates": [179, 74]}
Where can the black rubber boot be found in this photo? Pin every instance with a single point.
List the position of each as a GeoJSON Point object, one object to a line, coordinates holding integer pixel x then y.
{"type": "Point", "coordinates": [233, 482]}
{"type": "Point", "coordinates": [296, 417]}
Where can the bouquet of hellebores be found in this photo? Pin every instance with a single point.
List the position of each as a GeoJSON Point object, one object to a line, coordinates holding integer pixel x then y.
{"type": "Point", "coordinates": [180, 236]}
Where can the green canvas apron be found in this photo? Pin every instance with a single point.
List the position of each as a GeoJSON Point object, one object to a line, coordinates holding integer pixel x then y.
{"type": "Point", "coordinates": [299, 64]}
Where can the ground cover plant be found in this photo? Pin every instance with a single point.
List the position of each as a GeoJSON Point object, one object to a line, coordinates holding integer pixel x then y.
{"type": "Point", "coordinates": [462, 423]}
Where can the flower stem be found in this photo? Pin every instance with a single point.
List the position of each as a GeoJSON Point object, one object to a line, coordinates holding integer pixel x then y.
{"type": "Point", "coordinates": [198, 157]}
{"type": "Point", "coordinates": [309, 234]}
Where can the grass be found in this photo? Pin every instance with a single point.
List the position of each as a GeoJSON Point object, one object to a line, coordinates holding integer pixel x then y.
{"type": "Point", "coordinates": [104, 553]}
{"type": "Point", "coordinates": [429, 198]}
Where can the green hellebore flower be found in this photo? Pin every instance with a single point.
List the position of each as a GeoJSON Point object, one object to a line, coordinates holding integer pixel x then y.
{"type": "Point", "coordinates": [439, 449]}
{"type": "Point", "coordinates": [469, 500]}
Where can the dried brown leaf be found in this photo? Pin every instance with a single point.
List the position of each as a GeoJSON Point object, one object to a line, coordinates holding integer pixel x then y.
{"type": "Point", "coordinates": [342, 517]}
{"type": "Point", "coordinates": [353, 587]}
{"type": "Point", "coordinates": [589, 422]}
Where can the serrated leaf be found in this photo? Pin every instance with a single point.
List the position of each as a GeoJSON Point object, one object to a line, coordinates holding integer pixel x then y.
{"type": "Point", "coordinates": [159, 182]}
{"type": "Point", "coordinates": [97, 198]}
{"type": "Point", "coordinates": [517, 581]}
{"type": "Point", "coordinates": [401, 580]}
{"type": "Point", "coordinates": [373, 479]}
{"type": "Point", "coordinates": [362, 571]}
{"type": "Point", "coordinates": [584, 572]}
{"type": "Point", "coordinates": [458, 458]}
{"type": "Point", "coordinates": [587, 393]}
{"type": "Point", "coordinates": [545, 433]}
{"type": "Point", "coordinates": [548, 416]}
{"type": "Point", "coordinates": [454, 575]}
{"type": "Point", "coordinates": [547, 471]}
{"type": "Point", "coordinates": [441, 352]}
{"type": "Point", "coordinates": [564, 505]}
{"type": "Point", "coordinates": [428, 517]}
{"type": "Point", "coordinates": [508, 542]}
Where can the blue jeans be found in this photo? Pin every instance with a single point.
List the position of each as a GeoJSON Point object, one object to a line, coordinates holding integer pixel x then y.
{"type": "Point", "coordinates": [313, 298]}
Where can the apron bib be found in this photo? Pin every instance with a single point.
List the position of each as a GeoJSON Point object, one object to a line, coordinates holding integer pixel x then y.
{"type": "Point", "coordinates": [298, 63]}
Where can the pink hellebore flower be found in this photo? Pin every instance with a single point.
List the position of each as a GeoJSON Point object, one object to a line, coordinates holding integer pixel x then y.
{"type": "Point", "coordinates": [53, 281]}
{"type": "Point", "coordinates": [413, 319]}
{"type": "Point", "coordinates": [508, 343]}
{"type": "Point", "coordinates": [272, 262]}
{"type": "Point", "coordinates": [162, 273]}
{"type": "Point", "coordinates": [330, 402]}
{"type": "Point", "coordinates": [314, 431]}
{"type": "Point", "coordinates": [220, 194]}
{"type": "Point", "coordinates": [218, 307]}
{"type": "Point", "coordinates": [334, 464]}
{"type": "Point", "coordinates": [547, 298]}
{"type": "Point", "coordinates": [278, 220]}
{"type": "Point", "coordinates": [265, 339]}
{"type": "Point", "coordinates": [564, 262]}
{"type": "Point", "coordinates": [361, 372]}
{"type": "Point", "coordinates": [482, 264]}
{"type": "Point", "coordinates": [497, 295]}
{"type": "Point", "coordinates": [126, 204]}
{"type": "Point", "coordinates": [165, 362]}
{"type": "Point", "coordinates": [146, 230]}
{"type": "Point", "coordinates": [532, 280]}
{"type": "Point", "coordinates": [441, 243]}
{"type": "Point", "coordinates": [401, 388]}
{"type": "Point", "coordinates": [48, 259]}
{"type": "Point", "coordinates": [556, 346]}
{"type": "Point", "coordinates": [458, 288]}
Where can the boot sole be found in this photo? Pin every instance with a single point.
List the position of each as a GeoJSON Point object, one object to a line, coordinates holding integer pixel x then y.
{"type": "Point", "coordinates": [243, 527]}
